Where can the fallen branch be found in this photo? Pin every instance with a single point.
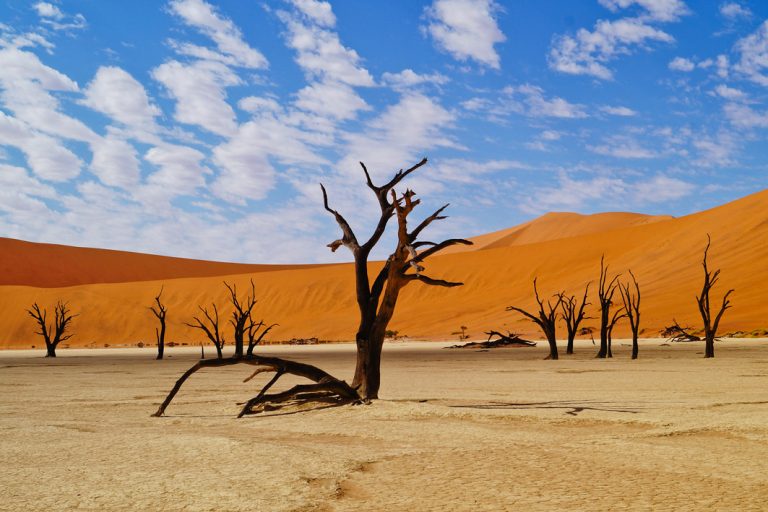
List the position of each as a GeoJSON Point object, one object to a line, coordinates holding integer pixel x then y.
{"type": "Point", "coordinates": [504, 340]}
{"type": "Point", "coordinates": [330, 385]}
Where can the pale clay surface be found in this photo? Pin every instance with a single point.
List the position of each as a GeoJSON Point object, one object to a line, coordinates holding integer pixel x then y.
{"type": "Point", "coordinates": [455, 430]}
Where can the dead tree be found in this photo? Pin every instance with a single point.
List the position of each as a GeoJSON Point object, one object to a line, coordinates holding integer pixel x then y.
{"type": "Point", "coordinates": [710, 326]}
{"type": "Point", "coordinates": [605, 292]}
{"type": "Point", "coordinates": [55, 333]}
{"type": "Point", "coordinates": [212, 330]}
{"type": "Point", "coordinates": [254, 336]}
{"type": "Point", "coordinates": [160, 311]}
{"type": "Point", "coordinates": [631, 298]}
{"type": "Point", "coordinates": [617, 315]}
{"type": "Point", "coordinates": [241, 316]}
{"type": "Point", "coordinates": [376, 300]}
{"type": "Point", "coordinates": [573, 314]}
{"type": "Point", "coordinates": [677, 333]}
{"type": "Point", "coordinates": [546, 318]}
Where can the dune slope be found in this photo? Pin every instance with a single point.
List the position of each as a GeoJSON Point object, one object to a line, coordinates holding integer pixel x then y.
{"type": "Point", "coordinates": [319, 301]}
{"type": "Point", "coordinates": [51, 265]}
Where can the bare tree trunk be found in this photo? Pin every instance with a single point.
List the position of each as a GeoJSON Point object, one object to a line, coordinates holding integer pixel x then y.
{"type": "Point", "coordinates": [552, 345]}
{"type": "Point", "coordinates": [50, 350]}
{"type": "Point", "coordinates": [635, 347]}
{"type": "Point", "coordinates": [605, 294]}
{"type": "Point", "coordinates": [161, 340]}
{"type": "Point", "coordinates": [710, 326]}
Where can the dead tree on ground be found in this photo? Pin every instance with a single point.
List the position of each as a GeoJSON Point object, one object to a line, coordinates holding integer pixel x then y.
{"type": "Point", "coordinates": [545, 319]}
{"type": "Point", "coordinates": [677, 333]}
{"type": "Point", "coordinates": [631, 300]}
{"type": "Point", "coordinates": [605, 292]}
{"type": "Point", "coordinates": [55, 333]}
{"type": "Point", "coordinates": [710, 327]}
{"type": "Point", "coordinates": [160, 311]}
{"type": "Point", "coordinates": [241, 316]}
{"type": "Point", "coordinates": [212, 330]}
{"type": "Point", "coordinates": [573, 314]}
{"type": "Point", "coordinates": [376, 300]}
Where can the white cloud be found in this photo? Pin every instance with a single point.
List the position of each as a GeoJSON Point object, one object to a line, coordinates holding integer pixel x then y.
{"type": "Point", "coordinates": [321, 54]}
{"type": "Point", "coordinates": [16, 64]}
{"type": "Point", "coordinates": [754, 55]}
{"type": "Point", "coordinates": [115, 162]}
{"type": "Point", "coordinates": [180, 172]}
{"type": "Point", "coordinates": [717, 151]}
{"type": "Point", "coordinates": [399, 135]}
{"type": "Point", "coordinates": [660, 189]}
{"type": "Point", "coordinates": [620, 146]}
{"type": "Point", "coordinates": [223, 32]}
{"type": "Point", "coordinates": [335, 100]}
{"type": "Point", "coordinates": [409, 78]}
{"type": "Point", "coordinates": [537, 105]}
{"type": "Point", "coordinates": [53, 16]}
{"type": "Point", "coordinates": [588, 52]}
{"type": "Point", "coordinates": [114, 92]}
{"type": "Point", "coordinates": [199, 90]}
{"type": "Point", "coordinates": [467, 29]}
{"type": "Point", "coordinates": [256, 104]}
{"type": "Point", "coordinates": [318, 12]}
{"type": "Point", "coordinates": [461, 170]}
{"type": "Point", "coordinates": [734, 10]}
{"type": "Point", "coordinates": [551, 135]}
{"type": "Point", "coordinates": [656, 10]}
{"type": "Point", "coordinates": [631, 151]}
{"type": "Point", "coordinates": [681, 64]}
{"type": "Point", "coordinates": [618, 111]}
{"type": "Point", "coordinates": [46, 156]}
{"type": "Point", "coordinates": [47, 10]}
{"type": "Point", "coordinates": [245, 160]}
{"type": "Point", "coordinates": [744, 116]}
{"type": "Point", "coordinates": [723, 66]}
{"type": "Point", "coordinates": [730, 93]}
{"type": "Point", "coordinates": [571, 194]}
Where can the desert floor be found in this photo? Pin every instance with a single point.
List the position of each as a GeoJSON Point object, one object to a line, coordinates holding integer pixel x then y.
{"type": "Point", "coordinates": [455, 430]}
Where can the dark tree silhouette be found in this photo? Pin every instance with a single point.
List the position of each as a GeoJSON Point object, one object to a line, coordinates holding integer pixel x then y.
{"type": "Point", "coordinates": [254, 336]}
{"type": "Point", "coordinates": [241, 320]}
{"type": "Point", "coordinates": [605, 292]}
{"type": "Point", "coordinates": [618, 314]}
{"type": "Point", "coordinates": [630, 294]}
{"type": "Point", "coordinates": [209, 324]}
{"type": "Point", "coordinates": [546, 318]}
{"type": "Point", "coordinates": [55, 333]}
{"type": "Point", "coordinates": [160, 311]}
{"type": "Point", "coordinates": [376, 300]}
{"type": "Point", "coordinates": [710, 326]}
{"type": "Point", "coordinates": [573, 314]}
{"type": "Point", "coordinates": [676, 332]}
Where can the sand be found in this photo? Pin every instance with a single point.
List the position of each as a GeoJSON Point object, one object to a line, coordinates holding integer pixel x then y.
{"type": "Point", "coordinates": [455, 430]}
{"type": "Point", "coordinates": [318, 301]}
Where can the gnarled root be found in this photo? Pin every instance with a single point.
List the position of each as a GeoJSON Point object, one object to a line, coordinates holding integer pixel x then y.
{"type": "Point", "coordinates": [325, 387]}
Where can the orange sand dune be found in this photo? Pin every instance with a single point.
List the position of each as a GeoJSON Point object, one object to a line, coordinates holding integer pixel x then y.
{"type": "Point", "coordinates": [665, 255]}
{"type": "Point", "coordinates": [51, 265]}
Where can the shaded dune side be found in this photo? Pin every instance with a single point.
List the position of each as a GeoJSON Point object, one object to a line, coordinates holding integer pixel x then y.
{"type": "Point", "coordinates": [665, 256]}
{"type": "Point", "coordinates": [51, 265]}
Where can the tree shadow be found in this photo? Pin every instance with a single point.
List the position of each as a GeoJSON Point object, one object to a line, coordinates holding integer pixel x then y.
{"type": "Point", "coordinates": [572, 409]}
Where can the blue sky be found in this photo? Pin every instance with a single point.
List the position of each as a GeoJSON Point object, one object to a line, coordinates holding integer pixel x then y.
{"type": "Point", "coordinates": [202, 129]}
